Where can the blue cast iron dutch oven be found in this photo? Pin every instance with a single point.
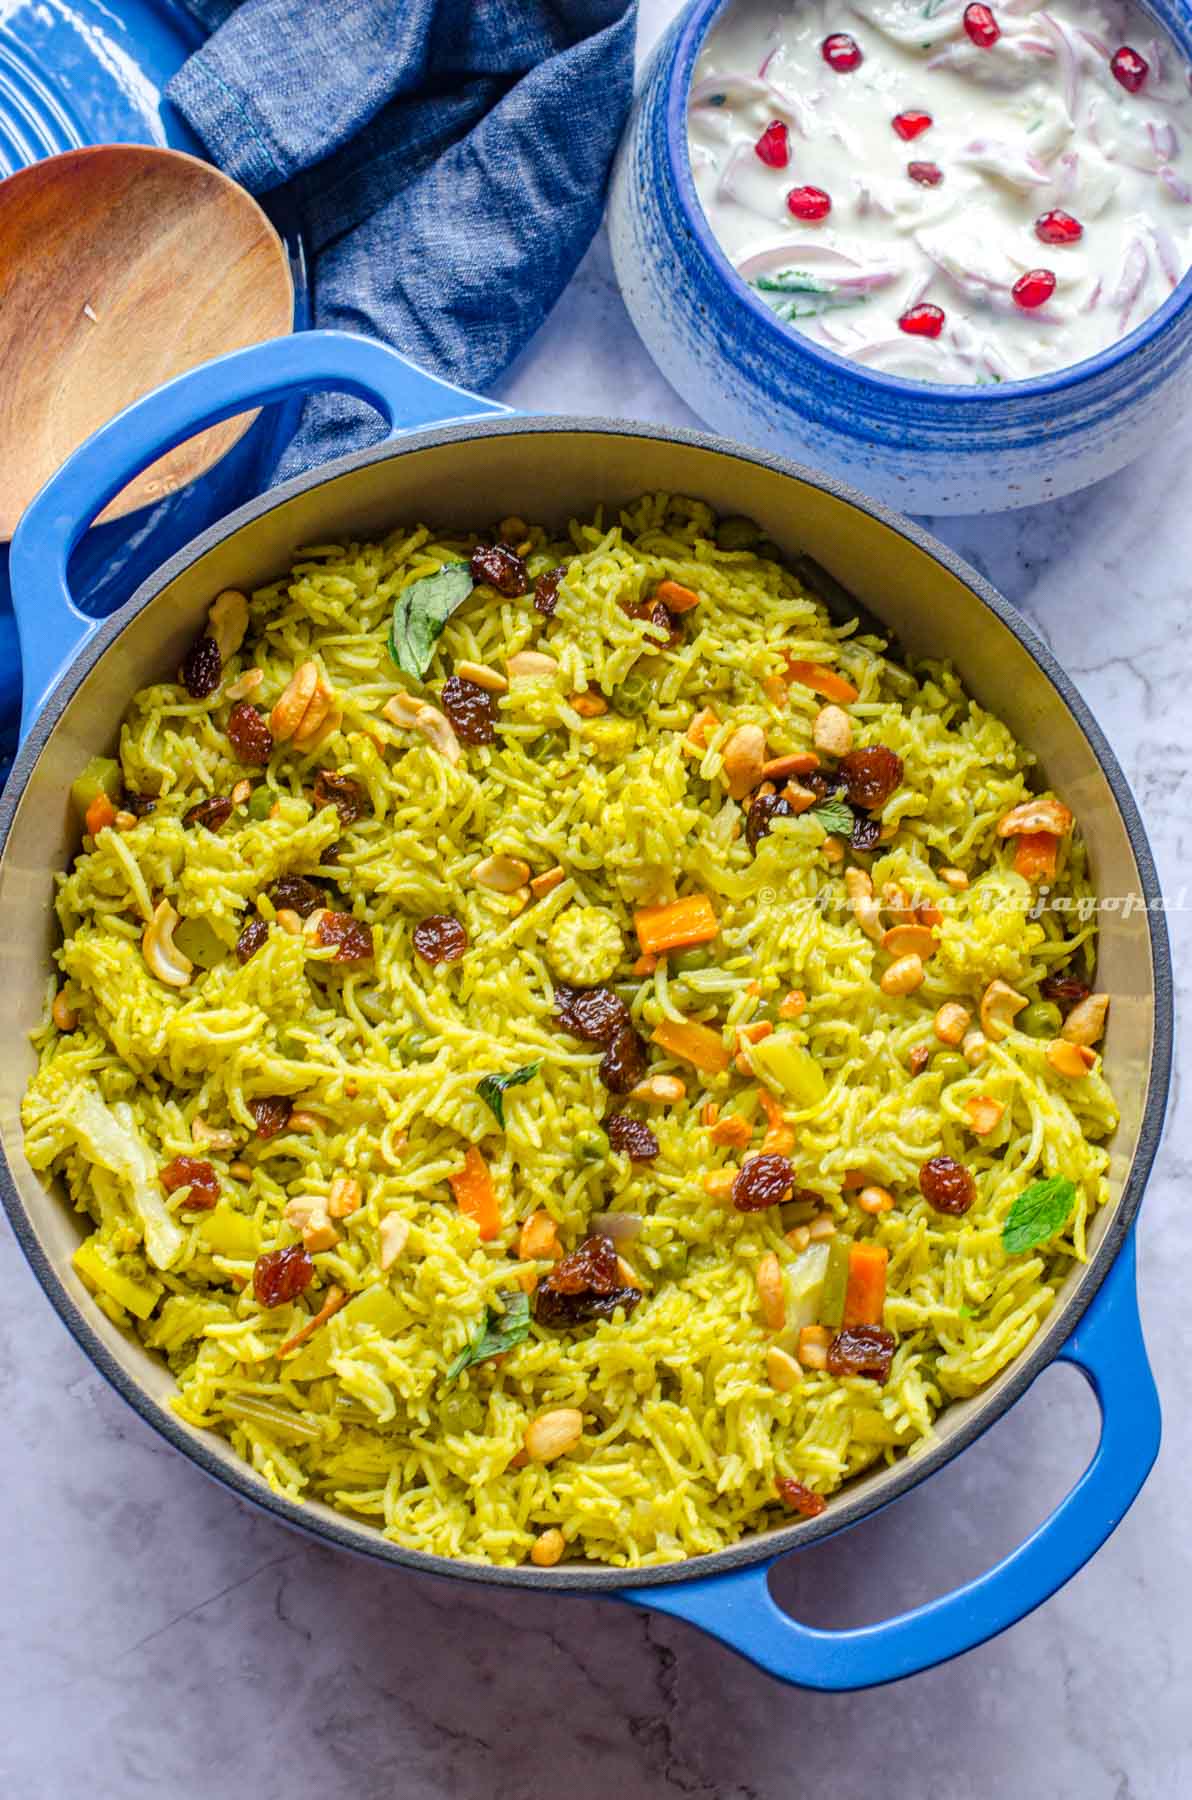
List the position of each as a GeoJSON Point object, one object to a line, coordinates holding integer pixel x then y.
{"type": "Point", "coordinates": [452, 456]}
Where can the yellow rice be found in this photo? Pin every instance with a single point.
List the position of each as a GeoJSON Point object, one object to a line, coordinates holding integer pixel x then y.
{"type": "Point", "coordinates": [683, 1434]}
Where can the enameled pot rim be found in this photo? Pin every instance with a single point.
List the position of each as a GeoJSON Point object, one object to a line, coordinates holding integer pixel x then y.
{"type": "Point", "coordinates": [850, 1506]}
{"type": "Point", "coordinates": [795, 347]}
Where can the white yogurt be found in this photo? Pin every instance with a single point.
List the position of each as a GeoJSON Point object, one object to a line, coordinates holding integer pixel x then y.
{"type": "Point", "coordinates": [1034, 125]}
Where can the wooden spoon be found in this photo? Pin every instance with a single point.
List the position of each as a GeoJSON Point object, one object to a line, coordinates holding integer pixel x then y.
{"type": "Point", "coordinates": [121, 266]}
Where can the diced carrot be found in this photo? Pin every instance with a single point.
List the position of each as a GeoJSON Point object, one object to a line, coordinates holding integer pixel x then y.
{"type": "Point", "coordinates": [753, 1034]}
{"type": "Point", "coordinates": [779, 1138]}
{"type": "Point", "coordinates": [675, 597]}
{"type": "Point", "coordinates": [854, 1178]}
{"type": "Point", "coordinates": [733, 1129]}
{"type": "Point", "coordinates": [822, 680]}
{"type": "Point", "coordinates": [696, 1044]}
{"type": "Point", "coordinates": [865, 1295]}
{"type": "Point", "coordinates": [1034, 855]}
{"type": "Point", "coordinates": [474, 1195]}
{"type": "Point", "coordinates": [645, 965]}
{"type": "Point", "coordinates": [701, 724]}
{"type": "Point", "coordinates": [675, 924]}
{"type": "Point", "coordinates": [797, 762]}
{"type": "Point", "coordinates": [792, 1004]}
{"type": "Point", "coordinates": [774, 688]}
{"type": "Point", "coordinates": [928, 915]}
{"type": "Point", "coordinates": [754, 989]}
{"type": "Point", "coordinates": [709, 1112]}
{"type": "Point", "coordinates": [100, 813]}
{"type": "Point", "coordinates": [335, 1299]}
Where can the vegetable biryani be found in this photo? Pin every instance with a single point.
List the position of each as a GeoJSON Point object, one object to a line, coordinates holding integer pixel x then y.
{"type": "Point", "coordinates": [564, 1047]}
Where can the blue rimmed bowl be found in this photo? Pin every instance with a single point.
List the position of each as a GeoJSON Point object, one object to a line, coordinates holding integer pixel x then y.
{"type": "Point", "coordinates": [918, 446]}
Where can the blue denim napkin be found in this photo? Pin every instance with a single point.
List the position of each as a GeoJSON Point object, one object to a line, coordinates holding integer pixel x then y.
{"type": "Point", "coordinates": [447, 161]}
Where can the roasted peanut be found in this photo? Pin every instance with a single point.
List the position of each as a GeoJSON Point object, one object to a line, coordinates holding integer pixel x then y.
{"type": "Point", "coordinates": [832, 731]}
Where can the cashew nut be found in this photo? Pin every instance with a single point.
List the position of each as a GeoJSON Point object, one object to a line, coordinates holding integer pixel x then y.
{"type": "Point", "coordinates": [212, 1135]}
{"type": "Point", "coordinates": [227, 621]}
{"type": "Point", "coordinates": [394, 1231]}
{"type": "Point", "coordinates": [313, 719]}
{"type": "Point", "coordinates": [905, 940]}
{"type": "Point", "coordinates": [1085, 1024]}
{"type": "Point", "coordinates": [1045, 813]}
{"type": "Point", "coordinates": [771, 1291]}
{"type": "Point", "coordinates": [402, 710]}
{"type": "Point", "coordinates": [296, 696]}
{"type": "Point", "coordinates": [437, 729]}
{"type": "Point", "coordinates": [1000, 1003]}
{"type": "Point", "coordinates": [952, 1021]}
{"type": "Point", "coordinates": [246, 684]}
{"type": "Point", "coordinates": [659, 1090]}
{"type": "Point", "coordinates": [163, 956]}
{"type": "Point", "coordinates": [491, 680]}
{"type": "Point", "coordinates": [554, 1433]}
{"type": "Point", "coordinates": [956, 879]}
{"type": "Point", "coordinates": [308, 1215]}
{"type": "Point", "coordinates": [832, 731]}
{"type": "Point", "coordinates": [503, 874]}
{"type": "Point", "coordinates": [984, 1113]}
{"type": "Point", "coordinates": [903, 976]}
{"type": "Point", "coordinates": [525, 663]}
{"type": "Point", "coordinates": [743, 758]}
{"type": "Point", "coordinates": [865, 909]}
{"type": "Point", "coordinates": [345, 1197]}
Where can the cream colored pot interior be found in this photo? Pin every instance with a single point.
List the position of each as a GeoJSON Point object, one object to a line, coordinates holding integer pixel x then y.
{"type": "Point", "coordinates": [550, 474]}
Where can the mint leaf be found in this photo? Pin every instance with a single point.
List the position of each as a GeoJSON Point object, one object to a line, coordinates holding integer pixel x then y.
{"type": "Point", "coordinates": [500, 1331]}
{"type": "Point", "coordinates": [420, 613]}
{"type": "Point", "coordinates": [792, 281]}
{"type": "Point", "coordinates": [836, 817]}
{"type": "Point", "coordinates": [492, 1088]}
{"type": "Point", "coordinates": [1039, 1212]}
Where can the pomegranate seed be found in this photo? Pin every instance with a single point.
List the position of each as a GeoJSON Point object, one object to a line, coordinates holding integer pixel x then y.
{"type": "Point", "coordinates": [982, 27]}
{"type": "Point", "coordinates": [1129, 68]}
{"type": "Point", "coordinates": [774, 145]}
{"type": "Point", "coordinates": [841, 52]}
{"type": "Point", "coordinates": [808, 203]}
{"type": "Point", "coordinates": [1033, 289]}
{"type": "Point", "coordinates": [926, 174]}
{"type": "Point", "coordinates": [1058, 227]}
{"type": "Point", "coordinates": [923, 320]}
{"type": "Point", "coordinates": [910, 125]}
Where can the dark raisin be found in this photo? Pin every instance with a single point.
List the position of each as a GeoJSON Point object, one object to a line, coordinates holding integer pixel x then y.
{"type": "Point", "coordinates": [624, 1062]}
{"type": "Point", "coordinates": [861, 1350]}
{"type": "Point", "coordinates": [198, 1176]}
{"type": "Point", "coordinates": [823, 783]}
{"type": "Point", "coordinates": [340, 791]}
{"type": "Point", "coordinates": [440, 939]}
{"type": "Point", "coordinates": [800, 1499]}
{"type": "Point", "coordinates": [592, 1264]}
{"type": "Point", "coordinates": [282, 1275]}
{"type": "Point", "coordinates": [212, 812]}
{"type": "Point", "coordinates": [202, 669]}
{"type": "Point", "coordinates": [764, 809]}
{"type": "Point", "coordinates": [546, 591]}
{"type": "Point", "coordinates": [584, 1286]}
{"type": "Point", "coordinates": [294, 893]}
{"type": "Point", "coordinates": [632, 1137]}
{"type": "Point", "coordinates": [250, 736]}
{"type": "Point", "coordinates": [947, 1185]}
{"type": "Point", "coordinates": [271, 1113]}
{"type": "Point", "coordinates": [470, 710]}
{"type": "Point", "coordinates": [657, 615]}
{"type": "Point", "coordinates": [251, 939]}
{"type": "Point", "coordinates": [594, 1014]}
{"type": "Point", "coordinates": [140, 804]}
{"type": "Point", "coordinates": [1064, 991]}
{"type": "Point", "coordinates": [866, 833]}
{"type": "Point", "coordinates": [870, 776]}
{"type": "Point", "coordinates": [763, 1181]}
{"type": "Point", "coordinates": [501, 567]}
{"type": "Point", "coordinates": [352, 937]}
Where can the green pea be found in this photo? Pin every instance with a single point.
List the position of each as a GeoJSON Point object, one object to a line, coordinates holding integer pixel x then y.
{"type": "Point", "coordinates": [737, 534]}
{"type": "Point", "coordinates": [590, 1147]}
{"type": "Point", "coordinates": [632, 696]}
{"type": "Point", "coordinates": [1041, 1019]}
{"type": "Point", "coordinates": [462, 1412]}
{"type": "Point", "coordinates": [950, 1065]}
{"type": "Point", "coordinates": [698, 957]}
{"type": "Point", "coordinates": [260, 801]}
{"type": "Point", "coordinates": [542, 749]}
{"type": "Point", "coordinates": [415, 1046]}
{"type": "Point", "coordinates": [672, 1264]}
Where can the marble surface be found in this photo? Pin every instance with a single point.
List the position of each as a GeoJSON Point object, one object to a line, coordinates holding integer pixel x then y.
{"type": "Point", "coordinates": [159, 1638]}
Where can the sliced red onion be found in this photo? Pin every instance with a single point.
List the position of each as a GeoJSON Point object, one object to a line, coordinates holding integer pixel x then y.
{"type": "Point", "coordinates": [842, 271]}
{"type": "Point", "coordinates": [1175, 186]}
{"type": "Point", "coordinates": [1164, 141]}
{"type": "Point", "coordinates": [621, 1227]}
{"type": "Point", "coordinates": [1007, 162]}
{"type": "Point", "coordinates": [1068, 61]}
{"type": "Point", "coordinates": [1134, 274]}
{"type": "Point", "coordinates": [1165, 252]}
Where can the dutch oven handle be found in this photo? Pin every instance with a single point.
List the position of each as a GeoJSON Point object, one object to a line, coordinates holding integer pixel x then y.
{"type": "Point", "coordinates": [51, 628]}
{"type": "Point", "coordinates": [1107, 1347]}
